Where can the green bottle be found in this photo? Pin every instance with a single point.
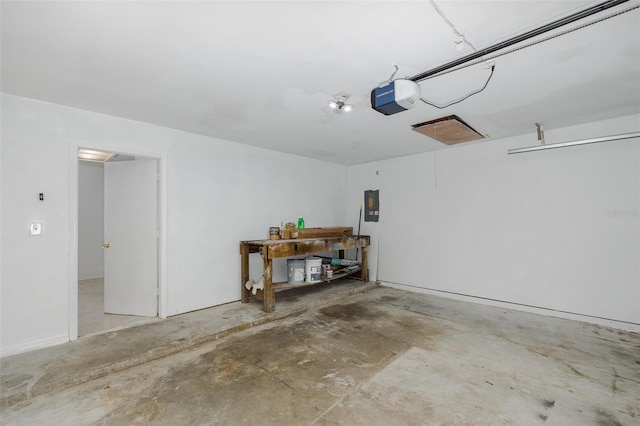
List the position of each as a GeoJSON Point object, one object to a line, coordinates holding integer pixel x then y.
{"type": "Point", "coordinates": [300, 223]}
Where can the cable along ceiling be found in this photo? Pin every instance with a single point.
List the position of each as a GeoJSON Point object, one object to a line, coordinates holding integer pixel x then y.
{"type": "Point", "coordinates": [481, 55]}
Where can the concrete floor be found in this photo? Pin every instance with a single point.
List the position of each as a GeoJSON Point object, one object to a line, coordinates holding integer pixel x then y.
{"type": "Point", "coordinates": [91, 316]}
{"type": "Point", "coordinates": [334, 355]}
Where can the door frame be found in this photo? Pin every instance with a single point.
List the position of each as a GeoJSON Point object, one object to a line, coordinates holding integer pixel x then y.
{"type": "Point", "coordinates": [73, 227]}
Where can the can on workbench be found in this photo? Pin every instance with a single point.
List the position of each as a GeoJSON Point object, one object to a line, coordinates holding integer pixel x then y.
{"type": "Point", "coordinates": [274, 233]}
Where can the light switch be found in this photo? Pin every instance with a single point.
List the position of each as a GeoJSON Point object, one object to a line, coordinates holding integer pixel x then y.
{"type": "Point", "coordinates": [35, 228]}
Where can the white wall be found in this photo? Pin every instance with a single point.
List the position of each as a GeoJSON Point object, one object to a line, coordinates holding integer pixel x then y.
{"type": "Point", "coordinates": [218, 193]}
{"type": "Point", "coordinates": [555, 229]}
{"type": "Point", "coordinates": [90, 220]}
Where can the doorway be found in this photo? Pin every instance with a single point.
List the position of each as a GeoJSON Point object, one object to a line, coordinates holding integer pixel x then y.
{"type": "Point", "coordinates": [118, 242]}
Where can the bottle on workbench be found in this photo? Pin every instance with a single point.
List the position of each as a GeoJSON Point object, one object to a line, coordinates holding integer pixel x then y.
{"type": "Point", "coordinates": [300, 222]}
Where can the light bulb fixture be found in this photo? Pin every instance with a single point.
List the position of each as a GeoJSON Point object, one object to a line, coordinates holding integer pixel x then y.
{"type": "Point", "coordinates": [92, 155]}
{"type": "Point", "coordinates": [340, 104]}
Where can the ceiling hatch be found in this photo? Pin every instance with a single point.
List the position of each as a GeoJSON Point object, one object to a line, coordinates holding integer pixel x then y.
{"type": "Point", "coordinates": [449, 130]}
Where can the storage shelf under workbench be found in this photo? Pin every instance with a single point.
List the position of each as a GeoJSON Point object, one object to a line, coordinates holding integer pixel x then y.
{"type": "Point", "coordinates": [336, 276]}
{"type": "Point", "coordinates": [274, 249]}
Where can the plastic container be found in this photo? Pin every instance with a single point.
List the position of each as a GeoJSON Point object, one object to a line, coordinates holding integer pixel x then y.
{"type": "Point", "coordinates": [295, 271]}
{"type": "Point", "coordinates": [300, 222]}
{"type": "Point", "coordinates": [313, 269]}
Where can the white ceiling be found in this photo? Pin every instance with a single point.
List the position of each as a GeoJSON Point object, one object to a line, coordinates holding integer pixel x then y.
{"type": "Point", "coordinates": [261, 73]}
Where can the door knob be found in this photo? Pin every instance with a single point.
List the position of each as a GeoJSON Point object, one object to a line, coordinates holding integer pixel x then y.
{"type": "Point", "coordinates": [105, 245]}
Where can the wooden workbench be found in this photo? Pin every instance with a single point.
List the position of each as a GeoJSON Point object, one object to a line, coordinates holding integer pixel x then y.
{"type": "Point", "coordinates": [273, 249]}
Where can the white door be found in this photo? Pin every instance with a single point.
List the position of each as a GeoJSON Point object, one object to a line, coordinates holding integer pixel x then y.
{"type": "Point", "coordinates": [131, 232]}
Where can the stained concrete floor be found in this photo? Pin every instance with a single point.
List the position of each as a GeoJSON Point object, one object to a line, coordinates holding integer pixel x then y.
{"type": "Point", "coordinates": [335, 356]}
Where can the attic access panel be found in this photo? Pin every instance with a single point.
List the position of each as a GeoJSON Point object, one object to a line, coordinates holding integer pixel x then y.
{"type": "Point", "coordinates": [449, 130]}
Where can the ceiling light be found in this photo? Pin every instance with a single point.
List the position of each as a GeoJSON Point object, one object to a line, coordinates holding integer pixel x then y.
{"type": "Point", "coordinates": [92, 155]}
{"type": "Point", "coordinates": [340, 104]}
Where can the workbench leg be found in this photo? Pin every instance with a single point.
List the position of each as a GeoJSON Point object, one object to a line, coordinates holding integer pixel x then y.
{"type": "Point", "coordinates": [244, 272]}
{"type": "Point", "coordinates": [269, 293]}
{"type": "Point", "coordinates": [365, 265]}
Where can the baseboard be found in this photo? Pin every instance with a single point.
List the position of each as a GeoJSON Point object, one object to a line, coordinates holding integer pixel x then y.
{"type": "Point", "coordinates": [620, 325]}
{"type": "Point", "coordinates": [31, 346]}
